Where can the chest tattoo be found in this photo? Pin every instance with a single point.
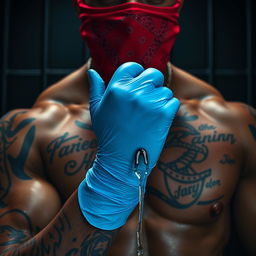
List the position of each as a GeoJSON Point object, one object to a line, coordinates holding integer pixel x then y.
{"type": "Point", "coordinates": [183, 182]}
{"type": "Point", "coordinates": [68, 147]}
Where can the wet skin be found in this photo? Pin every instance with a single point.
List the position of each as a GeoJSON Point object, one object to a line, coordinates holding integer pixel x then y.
{"type": "Point", "coordinates": [46, 151]}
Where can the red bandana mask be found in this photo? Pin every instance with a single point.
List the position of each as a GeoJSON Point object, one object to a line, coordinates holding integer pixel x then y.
{"type": "Point", "coordinates": [129, 32]}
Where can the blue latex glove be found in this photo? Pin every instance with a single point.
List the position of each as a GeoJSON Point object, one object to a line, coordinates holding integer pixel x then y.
{"type": "Point", "coordinates": [135, 111]}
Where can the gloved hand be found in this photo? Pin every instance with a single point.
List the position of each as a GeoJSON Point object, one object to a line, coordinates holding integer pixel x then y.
{"type": "Point", "coordinates": [135, 111]}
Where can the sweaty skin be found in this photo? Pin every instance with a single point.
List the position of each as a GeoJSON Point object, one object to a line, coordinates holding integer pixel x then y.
{"type": "Point", "coordinates": [208, 162]}
{"type": "Point", "coordinates": [208, 159]}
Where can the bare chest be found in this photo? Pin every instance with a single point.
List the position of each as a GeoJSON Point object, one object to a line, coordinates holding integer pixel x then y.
{"type": "Point", "coordinates": [199, 165]}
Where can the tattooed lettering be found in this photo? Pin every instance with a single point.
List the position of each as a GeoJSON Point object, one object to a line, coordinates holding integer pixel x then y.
{"type": "Point", "coordinates": [203, 127]}
{"type": "Point", "coordinates": [227, 160]}
{"type": "Point", "coordinates": [215, 137]}
{"type": "Point", "coordinates": [186, 191]}
{"type": "Point", "coordinates": [212, 183]}
{"type": "Point", "coordinates": [71, 167]}
{"type": "Point", "coordinates": [59, 148]}
{"type": "Point", "coordinates": [13, 164]}
{"type": "Point", "coordinates": [183, 183]}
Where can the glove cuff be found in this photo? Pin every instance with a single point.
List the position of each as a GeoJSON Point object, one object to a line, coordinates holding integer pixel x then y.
{"type": "Point", "coordinates": [103, 208]}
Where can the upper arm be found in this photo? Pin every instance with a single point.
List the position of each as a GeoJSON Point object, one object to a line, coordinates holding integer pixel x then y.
{"type": "Point", "coordinates": [27, 201]}
{"type": "Point", "coordinates": [245, 197]}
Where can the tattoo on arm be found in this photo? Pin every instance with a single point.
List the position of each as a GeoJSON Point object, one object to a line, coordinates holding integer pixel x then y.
{"type": "Point", "coordinates": [8, 135]}
{"type": "Point", "coordinates": [10, 235]}
{"type": "Point", "coordinates": [18, 241]}
{"type": "Point", "coordinates": [97, 243]}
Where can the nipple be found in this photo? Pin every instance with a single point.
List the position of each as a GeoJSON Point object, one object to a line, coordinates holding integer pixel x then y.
{"type": "Point", "coordinates": [216, 209]}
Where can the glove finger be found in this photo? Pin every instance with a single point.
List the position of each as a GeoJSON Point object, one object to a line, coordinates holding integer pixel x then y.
{"type": "Point", "coordinates": [148, 80]}
{"type": "Point", "coordinates": [126, 72]}
{"type": "Point", "coordinates": [159, 95]}
{"type": "Point", "coordinates": [171, 108]}
{"type": "Point", "coordinates": [97, 87]}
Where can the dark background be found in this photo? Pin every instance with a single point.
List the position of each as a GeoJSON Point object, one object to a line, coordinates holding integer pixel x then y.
{"type": "Point", "coordinates": [40, 44]}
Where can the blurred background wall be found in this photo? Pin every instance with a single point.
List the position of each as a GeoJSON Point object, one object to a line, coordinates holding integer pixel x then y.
{"type": "Point", "coordinates": [40, 44]}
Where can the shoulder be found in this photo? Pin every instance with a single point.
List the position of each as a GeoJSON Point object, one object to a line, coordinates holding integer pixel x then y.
{"type": "Point", "coordinates": [31, 125]}
{"type": "Point", "coordinates": [45, 114]}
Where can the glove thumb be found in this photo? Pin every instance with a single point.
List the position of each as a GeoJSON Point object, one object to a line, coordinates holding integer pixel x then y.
{"type": "Point", "coordinates": [97, 89]}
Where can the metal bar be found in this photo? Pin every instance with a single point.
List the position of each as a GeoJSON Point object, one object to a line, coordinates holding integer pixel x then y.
{"type": "Point", "coordinates": [210, 41]}
{"type": "Point", "coordinates": [66, 71]}
{"type": "Point", "coordinates": [23, 72]}
{"type": "Point", "coordinates": [38, 72]}
{"type": "Point", "coordinates": [59, 71]}
{"type": "Point", "coordinates": [45, 49]}
{"type": "Point", "coordinates": [249, 61]}
{"type": "Point", "coordinates": [5, 56]}
{"type": "Point", "coordinates": [230, 72]}
{"type": "Point", "coordinates": [225, 72]}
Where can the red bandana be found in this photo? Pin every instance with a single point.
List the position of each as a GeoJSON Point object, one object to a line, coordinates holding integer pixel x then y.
{"type": "Point", "coordinates": [129, 32]}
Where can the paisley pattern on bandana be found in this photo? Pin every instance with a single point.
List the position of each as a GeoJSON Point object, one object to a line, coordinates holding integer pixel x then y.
{"type": "Point", "coordinates": [129, 32]}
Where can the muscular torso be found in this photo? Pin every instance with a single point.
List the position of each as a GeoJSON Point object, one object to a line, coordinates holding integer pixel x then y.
{"type": "Point", "coordinates": [187, 203]}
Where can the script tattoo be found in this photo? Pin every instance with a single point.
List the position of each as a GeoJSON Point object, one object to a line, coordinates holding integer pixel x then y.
{"type": "Point", "coordinates": [67, 144]}
{"type": "Point", "coordinates": [227, 160]}
{"type": "Point", "coordinates": [187, 183]}
{"type": "Point", "coordinates": [8, 163]}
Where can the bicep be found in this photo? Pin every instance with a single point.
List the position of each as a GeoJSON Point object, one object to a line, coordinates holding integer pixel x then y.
{"type": "Point", "coordinates": [27, 201]}
{"type": "Point", "coordinates": [29, 207]}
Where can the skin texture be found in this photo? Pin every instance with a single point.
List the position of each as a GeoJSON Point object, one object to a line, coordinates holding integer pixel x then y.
{"type": "Point", "coordinates": [207, 164]}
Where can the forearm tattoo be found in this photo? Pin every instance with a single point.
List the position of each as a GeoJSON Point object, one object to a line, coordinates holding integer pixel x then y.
{"type": "Point", "coordinates": [18, 243]}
